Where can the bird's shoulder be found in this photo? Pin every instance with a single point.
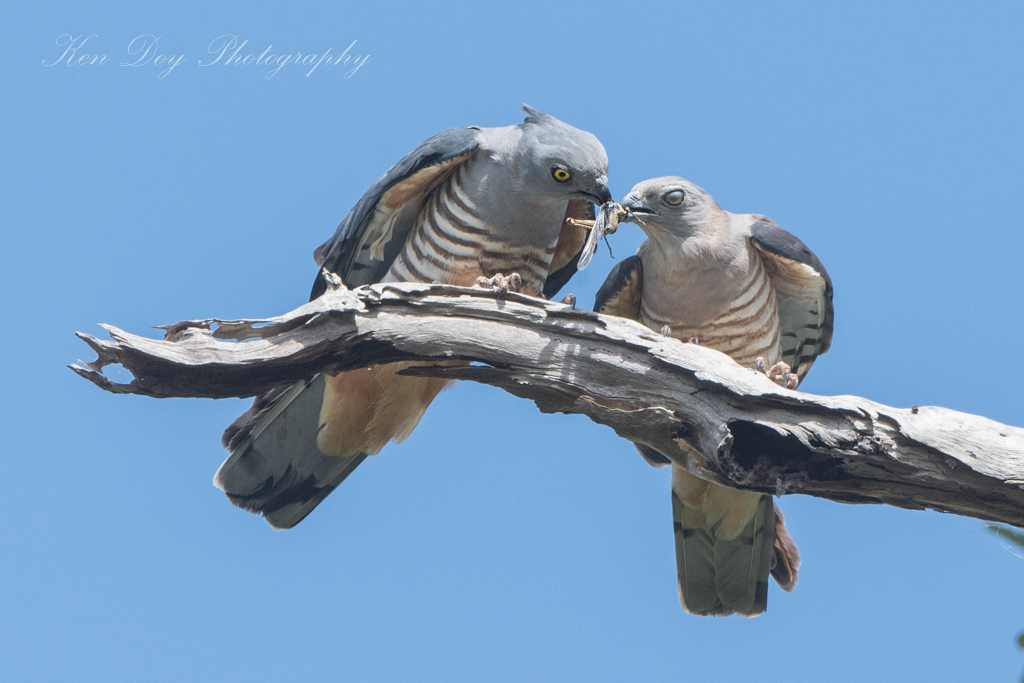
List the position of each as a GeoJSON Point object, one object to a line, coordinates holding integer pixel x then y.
{"type": "Point", "coordinates": [364, 244]}
{"type": "Point", "coordinates": [622, 290]}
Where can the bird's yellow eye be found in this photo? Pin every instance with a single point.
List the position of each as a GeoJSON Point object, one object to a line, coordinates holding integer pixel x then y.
{"type": "Point", "coordinates": [675, 197]}
{"type": "Point", "coordinates": [560, 174]}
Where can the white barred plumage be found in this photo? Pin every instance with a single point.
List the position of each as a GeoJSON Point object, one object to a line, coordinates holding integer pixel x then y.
{"type": "Point", "coordinates": [449, 236]}
{"type": "Point", "coordinates": [747, 330]}
{"type": "Point", "coordinates": [467, 203]}
{"type": "Point", "coordinates": [741, 285]}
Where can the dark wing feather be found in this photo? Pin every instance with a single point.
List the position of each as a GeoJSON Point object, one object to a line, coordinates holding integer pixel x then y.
{"type": "Point", "coordinates": [275, 466]}
{"type": "Point", "coordinates": [569, 246]}
{"type": "Point", "coordinates": [256, 477]}
{"type": "Point", "coordinates": [620, 294]}
{"type": "Point", "coordinates": [369, 238]}
{"type": "Point", "coordinates": [804, 291]}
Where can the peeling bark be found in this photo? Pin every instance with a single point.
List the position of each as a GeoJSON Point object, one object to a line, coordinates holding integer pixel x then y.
{"type": "Point", "coordinates": [722, 422]}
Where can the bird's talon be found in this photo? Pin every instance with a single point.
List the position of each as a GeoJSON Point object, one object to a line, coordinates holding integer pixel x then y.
{"type": "Point", "coordinates": [780, 373]}
{"type": "Point", "coordinates": [693, 340]}
{"type": "Point", "coordinates": [333, 281]}
{"type": "Point", "coordinates": [500, 284]}
{"type": "Point", "coordinates": [569, 300]}
{"type": "Point", "coordinates": [666, 330]}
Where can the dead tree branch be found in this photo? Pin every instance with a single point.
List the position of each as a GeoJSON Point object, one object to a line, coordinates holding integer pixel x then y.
{"type": "Point", "coordinates": [723, 422]}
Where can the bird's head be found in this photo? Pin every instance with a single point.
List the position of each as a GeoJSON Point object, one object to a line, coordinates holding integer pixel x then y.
{"type": "Point", "coordinates": [563, 162]}
{"type": "Point", "coordinates": [669, 206]}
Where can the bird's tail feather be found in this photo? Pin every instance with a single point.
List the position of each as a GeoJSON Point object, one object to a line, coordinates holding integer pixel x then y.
{"type": "Point", "coordinates": [695, 559]}
{"type": "Point", "coordinates": [292, 505]}
{"type": "Point", "coordinates": [742, 563]}
{"type": "Point", "coordinates": [724, 546]}
{"type": "Point", "coordinates": [275, 467]}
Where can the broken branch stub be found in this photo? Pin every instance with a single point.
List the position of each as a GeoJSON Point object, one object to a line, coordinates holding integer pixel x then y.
{"type": "Point", "coordinates": [722, 422]}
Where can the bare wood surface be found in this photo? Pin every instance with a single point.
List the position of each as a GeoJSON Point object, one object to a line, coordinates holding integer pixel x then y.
{"type": "Point", "coordinates": [722, 422]}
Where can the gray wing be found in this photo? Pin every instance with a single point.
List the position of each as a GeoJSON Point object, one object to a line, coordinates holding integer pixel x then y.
{"type": "Point", "coordinates": [369, 238]}
{"type": "Point", "coordinates": [275, 467]}
{"type": "Point", "coordinates": [804, 291]}
{"type": "Point", "coordinates": [620, 294]}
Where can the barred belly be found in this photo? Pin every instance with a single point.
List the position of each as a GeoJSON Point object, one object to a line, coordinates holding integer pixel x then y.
{"type": "Point", "coordinates": [450, 243]}
{"type": "Point", "coordinates": [747, 329]}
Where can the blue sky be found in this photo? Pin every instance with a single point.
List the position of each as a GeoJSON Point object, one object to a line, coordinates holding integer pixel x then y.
{"type": "Point", "coordinates": [496, 543]}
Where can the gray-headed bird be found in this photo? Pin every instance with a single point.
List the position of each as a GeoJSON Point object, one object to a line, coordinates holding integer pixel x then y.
{"type": "Point", "coordinates": [468, 203]}
{"type": "Point", "coordinates": [739, 284]}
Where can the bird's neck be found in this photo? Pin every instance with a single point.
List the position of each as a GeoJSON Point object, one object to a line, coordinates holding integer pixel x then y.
{"type": "Point", "coordinates": [698, 275]}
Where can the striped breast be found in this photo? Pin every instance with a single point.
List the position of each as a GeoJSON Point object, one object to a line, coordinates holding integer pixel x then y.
{"type": "Point", "coordinates": [747, 328]}
{"type": "Point", "coordinates": [451, 243]}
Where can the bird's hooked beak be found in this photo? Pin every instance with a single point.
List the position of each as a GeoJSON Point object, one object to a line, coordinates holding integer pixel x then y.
{"type": "Point", "coordinates": [599, 194]}
{"type": "Point", "coordinates": [635, 209]}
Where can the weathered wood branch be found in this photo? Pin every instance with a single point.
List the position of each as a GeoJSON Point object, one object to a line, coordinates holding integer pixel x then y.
{"type": "Point", "coordinates": [723, 422]}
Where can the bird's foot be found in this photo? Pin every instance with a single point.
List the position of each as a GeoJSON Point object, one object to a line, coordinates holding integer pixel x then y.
{"type": "Point", "coordinates": [666, 330]}
{"type": "Point", "coordinates": [693, 340]}
{"type": "Point", "coordinates": [780, 373]}
{"type": "Point", "coordinates": [500, 284]}
{"type": "Point", "coordinates": [569, 300]}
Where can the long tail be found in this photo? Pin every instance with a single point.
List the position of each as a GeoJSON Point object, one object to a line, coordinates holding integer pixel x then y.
{"type": "Point", "coordinates": [298, 443]}
{"type": "Point", "coordinates": [275, 467]}
{"type": "Point", "coordinates": [727, 542]}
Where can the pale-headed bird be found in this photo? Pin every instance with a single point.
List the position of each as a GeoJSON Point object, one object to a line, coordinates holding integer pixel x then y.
{"type": "Point", "coordinates": [739, 284]}
{"type": "Point", "coordinates": [468, 203]}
